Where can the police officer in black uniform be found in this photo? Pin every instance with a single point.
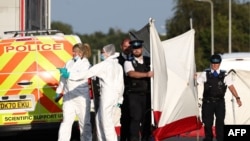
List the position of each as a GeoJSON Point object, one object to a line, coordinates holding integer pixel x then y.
{"type": "Point", "coordinates": [125, 54]}
{"type": "Point", "coordinates": [139, 104]}
{"type": "Point", "coordinates": [215, 83]}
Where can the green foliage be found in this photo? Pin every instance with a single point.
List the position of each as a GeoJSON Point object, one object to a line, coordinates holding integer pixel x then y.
{"type": "Point", "coordinates": [65, 28]}
{"type": "Point", "coordinates": [200, 13]}
{"type": "Point", "coordinates": [98, 39]}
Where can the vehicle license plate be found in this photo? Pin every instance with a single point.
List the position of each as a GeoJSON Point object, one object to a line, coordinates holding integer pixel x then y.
{"type": "Point", "coordinates": [15, 104]}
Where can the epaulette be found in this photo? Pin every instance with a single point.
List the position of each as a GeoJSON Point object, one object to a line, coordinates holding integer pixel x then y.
{"type": "Point", "coordinates": [223, 71]}
{"type": "Point", "coordinates": [207, 70]}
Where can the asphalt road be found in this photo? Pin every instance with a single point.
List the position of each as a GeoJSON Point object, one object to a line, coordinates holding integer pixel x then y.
{"type": "Point", "coordinates": [51, 135]}
{"type": "Point", "coordinates": [183, 139]}
{"type": "Point", "coordinates": [41, 135]}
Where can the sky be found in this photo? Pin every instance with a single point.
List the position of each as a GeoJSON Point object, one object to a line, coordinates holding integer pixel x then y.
{"type": "Point", "coordinates": [89, 16]}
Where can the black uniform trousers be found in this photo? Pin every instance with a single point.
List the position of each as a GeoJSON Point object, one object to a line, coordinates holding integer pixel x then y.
{"type": "Point", "coordinates": [124, 134]}
{"type": "Point", "coordinates": [211, 108]}
{"type": "Point", "coordinates": [140, 116]}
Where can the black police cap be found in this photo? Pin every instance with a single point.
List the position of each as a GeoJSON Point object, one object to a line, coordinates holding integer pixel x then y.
{"type": "Point", "coordinates": [136, 44]}
{"type": "Point", "coordinates": [215, 59]}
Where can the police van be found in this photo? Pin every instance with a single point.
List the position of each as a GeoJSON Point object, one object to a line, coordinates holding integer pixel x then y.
{"type": "Point", "coordinates": [29, 78]}
{"type": "Point", "coordinates": [236, 61]}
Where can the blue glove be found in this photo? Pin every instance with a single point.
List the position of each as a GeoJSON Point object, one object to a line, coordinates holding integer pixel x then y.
{"type": "Point", "coordinates": [65, 75]}
{"type": "Point", "coordinates": [57, 95]}
{"type": "Point", "coordinates": [118, 105]}
{"type": "Point", "coordinates": [62, 70]}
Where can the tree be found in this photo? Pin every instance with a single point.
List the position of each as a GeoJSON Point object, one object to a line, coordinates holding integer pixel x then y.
{"type": "Point", "coordinates": [63, 27]}
{"type": "Point", "coordinates": [98, 39]}
{"type": "Point", "coordinates": [200, 14]}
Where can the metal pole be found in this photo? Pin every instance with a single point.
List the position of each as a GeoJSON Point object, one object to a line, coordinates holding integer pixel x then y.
{"type": "Point", "coordinates": [48, 16]}
{"type": "Point", "coordinates": [212, 23]}
{"type": "Point", "coordinates": [229, 26]}
{"type": "Point", "coordinates": [212, 27]}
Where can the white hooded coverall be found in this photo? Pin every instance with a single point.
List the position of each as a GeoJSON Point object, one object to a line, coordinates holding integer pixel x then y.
{"type": "Point", "coordinates": [110, 74]}
{"type": "Point", "coordinates": [76, 101]}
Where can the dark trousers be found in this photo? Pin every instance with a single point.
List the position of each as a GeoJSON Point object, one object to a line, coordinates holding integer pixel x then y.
{"type": "Point", "coordinates": [140, 116]}
{"type": "Point", "coordinates": [209, 109]}
{"type": "Point", "coordinates": [124, 134]}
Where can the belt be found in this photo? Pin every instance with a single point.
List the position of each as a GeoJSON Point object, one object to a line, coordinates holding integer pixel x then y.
{"type": "Point", "coordinates": [76, 80]}
{"type": "Point", "coordinates": [138, 92]}
{"type": "Point", "coordinates": [212, 99]}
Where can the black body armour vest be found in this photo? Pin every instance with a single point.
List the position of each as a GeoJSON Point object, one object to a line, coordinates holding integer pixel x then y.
{"type": "Point", "coordinates": [121, 61]}
{"type": "Point", "coordinates": [215, 86]}
{"type": "Point", "coordinates": [140, 84]}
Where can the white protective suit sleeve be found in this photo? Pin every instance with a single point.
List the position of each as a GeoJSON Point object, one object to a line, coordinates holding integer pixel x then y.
{"type": "Point", "coordinates": [103, 70]}
{"type": "Point", "coordinates": [75, 69]}
{"type": "Point", "coordinates": [61, 85]}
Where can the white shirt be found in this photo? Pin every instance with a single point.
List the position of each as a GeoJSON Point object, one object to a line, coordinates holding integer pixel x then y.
{"type": "Point", "coordinates": [128, 66]}
{"type": "Point", "coordinates": [202, 78]}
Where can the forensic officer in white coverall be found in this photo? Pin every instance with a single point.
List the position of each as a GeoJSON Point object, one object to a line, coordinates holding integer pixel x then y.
{"type": "Point", "coordinates": [110, 74]}
{"type": "Point", "coordinates": [76, 99]}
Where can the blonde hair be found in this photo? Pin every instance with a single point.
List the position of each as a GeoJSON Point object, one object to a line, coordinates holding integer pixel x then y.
{"type": "Point", "coordinates": [86, 50]}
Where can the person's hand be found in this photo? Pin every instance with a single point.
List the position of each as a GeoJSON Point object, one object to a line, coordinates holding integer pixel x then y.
{"type": "Point", "coordinates": [65, 75]}
{"type": "Point", "coordinates": [58, 97]}
{"type": "Point", "coordinates": [239, 102]}
{"type": "Point", "coordinates": [62, 70]}
{"type": "Point", "coordinates": [150, 74]}
{"type": "Point", "coordinates": [118, 105]}
{"type": "Point", "coordinates": [195, 76]}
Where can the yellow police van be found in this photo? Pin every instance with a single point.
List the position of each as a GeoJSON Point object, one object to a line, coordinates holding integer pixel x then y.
{"type": "Point", "coordinates": [29, 78]}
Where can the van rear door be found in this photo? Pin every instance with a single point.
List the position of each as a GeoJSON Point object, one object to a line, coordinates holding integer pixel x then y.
{"type": "Point", "coordinates": [28, 78]}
